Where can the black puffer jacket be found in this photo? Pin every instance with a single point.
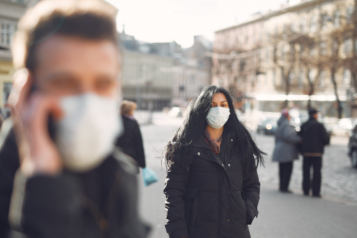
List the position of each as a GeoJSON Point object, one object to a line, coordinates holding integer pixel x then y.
{"type": "Point", "coordinates": [213, 199]}
{"type": "Point", "coordinates": [314, 136]}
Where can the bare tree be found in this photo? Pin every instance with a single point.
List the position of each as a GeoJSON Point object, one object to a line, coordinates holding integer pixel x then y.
{"type": "Point", "coordinates": [310, 61]}
{"type": "Point", "coordinates": [284, 57]}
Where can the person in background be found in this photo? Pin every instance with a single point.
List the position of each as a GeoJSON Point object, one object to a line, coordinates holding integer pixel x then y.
{"type": "Point", "coordinates": [314, 139]}
{"type": "Point", "coordinates": [70, 180]}
{"type": "Point", "coordinates": [212, 187]}
{"type": "Point", "coordinates": [131, 141]}
{"type": "Point", "coordinates": [285, 151]}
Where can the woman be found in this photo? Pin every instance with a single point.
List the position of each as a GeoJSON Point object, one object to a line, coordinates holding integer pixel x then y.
{"type": "Point", "coordinates": [285, 151]}
{"type": "Point", "coordinates": [131, 141]}
{"type": "Point", "coordinates": [212, 187]}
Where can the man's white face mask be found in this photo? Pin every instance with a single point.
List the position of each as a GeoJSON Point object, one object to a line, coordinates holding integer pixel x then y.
{"type": "Point", "coordinates": [85, 135]}
{"type": "Point", "coordinates": [217, 117]}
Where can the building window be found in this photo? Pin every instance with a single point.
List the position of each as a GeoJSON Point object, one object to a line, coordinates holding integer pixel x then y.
{"type": "Point", "coordinates": [323, 48]}
{"type": "Point", "coordinates": [267, 56]}
{"type": "Point", "coordinates": [347, 46]}
{"type": "Point", "coordinates": [7, 30]}
{"type": "Point", "coordinates": [282, 53]}
{"type": "Point", "coordinates": [267, 37]}
{"type": "Point", "coordinates": [337, 18]}
{"type": "Point", "coordinates": [274, 77]}
{"type": "Point", "coordinates": [313, 24]}
{"type": "Point", "coordinates": [302, 26]}
{"type": "Point", "coordinates": [346, 76]}
{"type": "Point", "coordinates": [324, 19]}
{"type": "Point", "coordinates": [6, 92]}
{"type": "Point", "coordinates": [349, 13]}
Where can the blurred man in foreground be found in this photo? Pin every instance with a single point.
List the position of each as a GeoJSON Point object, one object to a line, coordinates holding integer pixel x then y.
{"type": "Point", "coordinates": [70, 181]}
{"type": "Point", "coordinates": [314, 139]}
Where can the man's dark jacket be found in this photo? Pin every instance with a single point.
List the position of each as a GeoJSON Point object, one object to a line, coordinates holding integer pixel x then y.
{"type": "Point", "coordinates": [98, 203]}
{"type": "Point", "coordinates": [216, 197]}
{"type": "Point", "coordinates": [131, 141]}
{"type": "Point", "coordinates": [314, 136]}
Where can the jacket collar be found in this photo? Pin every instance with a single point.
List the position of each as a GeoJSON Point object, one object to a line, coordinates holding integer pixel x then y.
{"type": "Point", "coordinates": [200, 140]}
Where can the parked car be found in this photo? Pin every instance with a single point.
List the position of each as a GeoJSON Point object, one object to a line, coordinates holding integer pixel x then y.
{"type": "Point", "coordinates": [343, 127]}
{"type": "Point", "coordinates": [175, 112]}
{"type": "Point", "coordinates": [352, 146]}
{"type": "Point", "coordinates": [268, 126]}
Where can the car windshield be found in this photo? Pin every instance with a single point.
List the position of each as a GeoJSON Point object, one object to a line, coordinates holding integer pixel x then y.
{"type": "Point", "coordinates": [270, 121]}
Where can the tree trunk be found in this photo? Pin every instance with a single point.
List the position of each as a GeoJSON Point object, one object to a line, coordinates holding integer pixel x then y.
{"type": "Point", "coordinates": [286, 81]}
{"type": "Point", "coordinates": [339, 106]}
{"type": "Point", "coordinates": [311, 88]}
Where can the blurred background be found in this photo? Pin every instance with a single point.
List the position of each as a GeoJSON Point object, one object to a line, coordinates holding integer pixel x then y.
{"type": "Point", "coordinates": [270, 55]}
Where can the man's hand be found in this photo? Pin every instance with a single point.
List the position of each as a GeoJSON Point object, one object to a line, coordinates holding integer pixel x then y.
{"type": "Point", "coordinates": [30, 112]}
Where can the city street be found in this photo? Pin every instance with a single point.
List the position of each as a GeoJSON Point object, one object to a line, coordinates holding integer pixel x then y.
{"type": "Point", "coordinates": [280, 215]}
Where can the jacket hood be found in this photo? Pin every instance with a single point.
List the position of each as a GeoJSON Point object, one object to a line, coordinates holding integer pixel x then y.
{"type": "Point", "coordinates": [282, 120]}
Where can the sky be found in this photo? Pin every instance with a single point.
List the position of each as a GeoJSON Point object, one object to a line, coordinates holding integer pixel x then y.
{"type": "Point", "coordinates": [180, 20]}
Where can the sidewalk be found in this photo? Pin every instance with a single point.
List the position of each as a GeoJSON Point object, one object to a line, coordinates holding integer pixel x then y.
{"type": "Point", "coordinates": [297, 216]}
{"type": "Point", "coordinates": [281, 215]}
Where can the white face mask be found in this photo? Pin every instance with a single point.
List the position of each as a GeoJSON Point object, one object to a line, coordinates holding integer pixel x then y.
{"type": "Point", "coordinates": [85, 135]}
{"type": "Point", "coordinates": [217, 117]}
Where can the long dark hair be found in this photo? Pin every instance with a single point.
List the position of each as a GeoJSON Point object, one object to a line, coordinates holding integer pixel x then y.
{"type": "Point", "coordinates": [195, 124]}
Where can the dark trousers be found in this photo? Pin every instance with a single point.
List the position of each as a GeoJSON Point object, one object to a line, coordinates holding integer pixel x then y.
{"type": "Point", "coordinates": [316, 164]}
{"type": "Point", "coordinates": [285, 170]}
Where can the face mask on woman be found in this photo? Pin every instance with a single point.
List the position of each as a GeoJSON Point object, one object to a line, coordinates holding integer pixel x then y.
{"type": "Point", "coordinates": [86, 134]}
{"type": "Point", "coordinates": [217, 117]}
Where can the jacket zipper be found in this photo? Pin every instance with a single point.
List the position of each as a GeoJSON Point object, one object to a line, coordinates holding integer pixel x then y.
{"type": "Point", "coordinates": [97, 214]}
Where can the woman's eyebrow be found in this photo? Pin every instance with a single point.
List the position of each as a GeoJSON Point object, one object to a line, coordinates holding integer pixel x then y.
{"type": "Point", "coordinates": [223, 101]}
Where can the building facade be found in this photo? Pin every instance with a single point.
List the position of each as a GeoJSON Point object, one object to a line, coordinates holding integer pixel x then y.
{"type": "Point", "coordinates": [10, 13]}
{"type": "Point", "coordinates": [158, 75]}
{"type": "Point", "coordinates": [289, 56]}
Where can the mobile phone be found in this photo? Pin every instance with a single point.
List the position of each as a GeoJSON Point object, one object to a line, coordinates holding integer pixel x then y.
{"type": "Point", "coordinates": [51, 126]}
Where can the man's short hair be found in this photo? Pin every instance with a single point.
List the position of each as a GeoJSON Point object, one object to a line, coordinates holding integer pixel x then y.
{"type": "Point", "coordinates": [87, 19]}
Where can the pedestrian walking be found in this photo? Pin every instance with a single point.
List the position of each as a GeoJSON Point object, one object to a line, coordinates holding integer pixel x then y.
{"type": "Point", "coordinates": [314, 139]}
{"type": "Point", "coordinates": [59, 168]}
{"type": "Point", "coordinates": [212, 186]}
{"type": "Point", "coordinates": [131, 141]}
{"type": "Point", "coordinates": [285, 151]}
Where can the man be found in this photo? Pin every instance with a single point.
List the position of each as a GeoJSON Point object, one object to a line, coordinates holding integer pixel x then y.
{"type": "Point", "coordinates": [314, 138]}
{"type": "Point", "coordinates": [70, 180]}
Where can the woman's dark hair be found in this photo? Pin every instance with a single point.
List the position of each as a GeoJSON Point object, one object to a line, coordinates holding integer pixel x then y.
{"type": "Point", "coordinates": [195, 124]}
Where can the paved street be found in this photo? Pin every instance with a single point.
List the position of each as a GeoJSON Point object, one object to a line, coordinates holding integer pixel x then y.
{"type": "Point", "coordinates": [280, 215]}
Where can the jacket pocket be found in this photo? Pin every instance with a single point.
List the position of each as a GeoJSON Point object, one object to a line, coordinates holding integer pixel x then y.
{"type": "Point", "coordinates": [191, 204]}
{"type": "Point", "coordinates": [239, 209]}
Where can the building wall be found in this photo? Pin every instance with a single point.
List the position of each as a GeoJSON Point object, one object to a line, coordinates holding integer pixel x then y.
{"type": "Point", "coordinates": [244, 56]}
{"type": "Point", "coordinates": [10, 13]}
{"type": "Point", "coordinates": [147, 79]}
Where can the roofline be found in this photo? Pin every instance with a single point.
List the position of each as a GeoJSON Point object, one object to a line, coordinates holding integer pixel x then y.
{"type": "Point", "coordinates": [276, 13]}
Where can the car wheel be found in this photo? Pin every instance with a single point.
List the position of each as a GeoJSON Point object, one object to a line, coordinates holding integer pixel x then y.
{"type": "Point", "coordinates": [354, 159]}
